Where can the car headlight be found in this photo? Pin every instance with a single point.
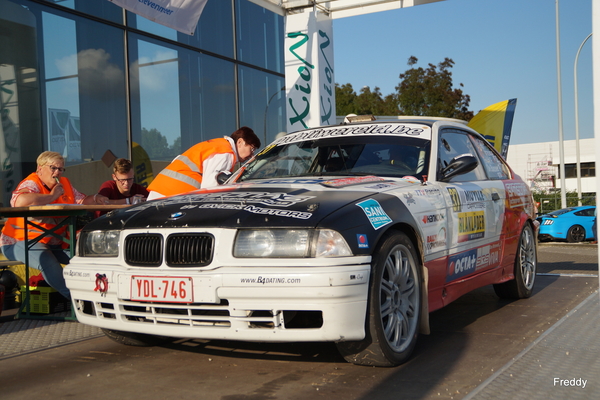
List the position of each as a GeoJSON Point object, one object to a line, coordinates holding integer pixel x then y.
{"type": "Point", "coordinates": [290, 243]}
{"type": "Point", "coordinates": [99, 244]}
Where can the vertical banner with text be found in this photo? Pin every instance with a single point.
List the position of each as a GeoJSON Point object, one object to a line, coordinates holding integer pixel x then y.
{"type": "Point", "coordinates": [309, 79]}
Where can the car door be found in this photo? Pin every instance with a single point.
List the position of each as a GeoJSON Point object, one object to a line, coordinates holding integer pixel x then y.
{"type": "Point", "coordinates": [475, 208]}
{"type": "Point", "coordinates": [585, 218]}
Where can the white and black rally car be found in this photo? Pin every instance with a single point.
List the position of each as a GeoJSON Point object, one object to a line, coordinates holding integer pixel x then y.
{"type": "Point", "coordinates": [350, 234]}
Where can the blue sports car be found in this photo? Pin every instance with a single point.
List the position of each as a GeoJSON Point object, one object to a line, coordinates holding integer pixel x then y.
{"type": "Point", "coordinates": [573, 224]}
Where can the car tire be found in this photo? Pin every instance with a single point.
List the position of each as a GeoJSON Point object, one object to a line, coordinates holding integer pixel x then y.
{"type": "Point", "coordinates": [525, 268]}
{"type": "Point", "coordinates": [394, 306]}
{"type": "Point", "coordinates": [135, 339]}
{"type": "Point", "coordinates": [576, 234]}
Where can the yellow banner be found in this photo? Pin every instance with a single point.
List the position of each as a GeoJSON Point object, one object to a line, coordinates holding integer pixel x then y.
{"type": "Point", "coordinates": [495, 124]}
{"type": "Point", "coordinates": [142, 165]}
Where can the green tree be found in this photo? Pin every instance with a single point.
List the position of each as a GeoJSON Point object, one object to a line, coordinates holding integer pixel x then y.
{"type": "Point", "coordinates": [176, 147]}
{"type": "Point", "coordinates": [345, 96]}
{"type": "Point", "coordinates": [155, 144]}
{"type": "Point", "coordinates": [429, 92]}
{"type": "Point", "coordinates": [369, 102]}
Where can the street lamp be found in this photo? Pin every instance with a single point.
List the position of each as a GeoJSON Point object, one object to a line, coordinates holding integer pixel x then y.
{"type": "Point", "coordinates": [561, 146]}
{"type": "Point", "coordinates": [577, 123]}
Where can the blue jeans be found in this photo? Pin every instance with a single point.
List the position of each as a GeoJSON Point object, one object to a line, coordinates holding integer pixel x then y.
{"type": "Point", "coordinates": [47, 259]}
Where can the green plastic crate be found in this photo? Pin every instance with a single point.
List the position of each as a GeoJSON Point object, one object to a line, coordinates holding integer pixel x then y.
{"type": "Point", "coordinates": [44, 300]}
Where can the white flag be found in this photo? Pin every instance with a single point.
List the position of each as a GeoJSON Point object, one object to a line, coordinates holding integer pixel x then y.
{"type": "Point", "coordinates": [181, 15]}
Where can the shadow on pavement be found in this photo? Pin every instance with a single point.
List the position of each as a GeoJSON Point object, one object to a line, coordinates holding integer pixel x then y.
{"type": "Point", "coordinates": [460, 341]}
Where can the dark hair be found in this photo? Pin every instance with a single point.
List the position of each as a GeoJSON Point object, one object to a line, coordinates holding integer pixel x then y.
{"type": "Point", "coordinates": [122, 166]}
{"type": "Point", "coordinates": [248, 135]}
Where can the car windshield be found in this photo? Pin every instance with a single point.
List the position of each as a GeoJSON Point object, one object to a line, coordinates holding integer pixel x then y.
{"type": "Point", "coordinates": [348, 156]}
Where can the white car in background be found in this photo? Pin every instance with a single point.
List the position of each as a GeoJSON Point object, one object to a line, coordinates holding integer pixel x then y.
{"type": "Point", "coordinates": [351, 234]}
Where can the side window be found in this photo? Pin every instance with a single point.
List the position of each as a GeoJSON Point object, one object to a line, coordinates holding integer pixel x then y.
{"type": "Point", "coordinates": [495, 167]}
{"type": "Point", "coordinates": [588, 212]}
{"type": "Point", "coordinates": [454, 142]}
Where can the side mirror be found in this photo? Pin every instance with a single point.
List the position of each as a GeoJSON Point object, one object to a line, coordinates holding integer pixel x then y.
{"type": "Point", "coordinates": [459, 165]}
{"type": "Point", "coordinates": [222, 177]}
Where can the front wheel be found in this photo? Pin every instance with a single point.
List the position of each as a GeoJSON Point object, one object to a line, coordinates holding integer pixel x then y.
{"type": "Point", "coordinates": [394, 306]}
{"type": "Point", "coordinates": [521, 286]}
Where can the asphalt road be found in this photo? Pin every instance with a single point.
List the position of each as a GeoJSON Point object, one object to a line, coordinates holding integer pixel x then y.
{"type": "Point", "coordinates": [470, 339]}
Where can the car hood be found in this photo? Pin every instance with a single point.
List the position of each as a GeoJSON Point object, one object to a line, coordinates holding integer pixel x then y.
{"type": "Point", "coordinates": [273, 203]}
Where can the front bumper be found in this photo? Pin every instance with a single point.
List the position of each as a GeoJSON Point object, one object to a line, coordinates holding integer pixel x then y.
{"type": "Point", "coordinates": [273, 304]}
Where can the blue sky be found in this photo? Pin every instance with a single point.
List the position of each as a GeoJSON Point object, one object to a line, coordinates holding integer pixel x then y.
{"type": "Point", "coordinates": [502, 49]}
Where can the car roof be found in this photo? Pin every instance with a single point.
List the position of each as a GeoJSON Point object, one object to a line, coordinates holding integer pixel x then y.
{"type": "Point", "coordinates": [569, 209]}
{"type": "Point", "coordinates": [355, 119]}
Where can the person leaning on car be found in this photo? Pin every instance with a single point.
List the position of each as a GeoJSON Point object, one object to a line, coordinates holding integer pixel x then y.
{"type": "Point", "coordinates": [198, 167]}
{"type": "Point", "coordinates": [45, 186]}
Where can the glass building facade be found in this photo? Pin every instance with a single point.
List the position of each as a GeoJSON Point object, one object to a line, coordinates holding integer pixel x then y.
{"type": "Point", "coordinates": [93, 82]}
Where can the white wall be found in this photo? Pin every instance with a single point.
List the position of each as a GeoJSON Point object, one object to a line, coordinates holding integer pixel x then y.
{"type": "Point", "coordinates": [524, 158]}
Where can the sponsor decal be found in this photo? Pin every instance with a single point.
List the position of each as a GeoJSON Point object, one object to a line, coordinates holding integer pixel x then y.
{"type": "Point", "coordinates": [263, 280]}
{"type": "Point", "coordinates": [76, 274]}
{"type": "Point", "coordinates": [411, 179]}
{"type": "Point", "coordinates": [351, 181]}
{"type": "Point", "coordinates": [312, 207]}
{"type": "Point", "coordinates": [259, 210]}
{"type": "Point", "coordinates": [409, 199]}
{"type": "Point", "coordinates": [357, 277]}
{"type": "Point", "coordinates": [471, 225]}
{"type": "Point", "coordinates": [377, 216]}
{"type": "Point", "coordinates": [274, 199]}
{"type": "Point", "coordinates": [427, 192]}
{"type": "Point", "coordinates": [455, 198]}
{"type": "Point", "coordinates": [461, 264]}
{"type": "Point", "coordinates": [473, 196]}
{"type": "Point", "coordinates": [427, 219]}
{"type": "Point", "coordinates": [517, 194]}
{"type": "Point", "coordinates": [466, 199]}
{"type": "Point", "coordinates": [437, 240]}
{"type": "Point", "coordinates": [465, 263]}
{"type": "Point", "coordinates": [363, 241]}
{"type": "Point", "coordinates": [488, 256]}
{"type": "Point", "coordinates": [381, 186]}
{"type": "Point", "coordinates": [375, 129]}
{"type": "Point", "coordinates": [265, 198]}
{"type": "Point", "coordinates": [292, 181]}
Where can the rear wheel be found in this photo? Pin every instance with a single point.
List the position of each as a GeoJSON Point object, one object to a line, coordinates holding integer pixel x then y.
{"type": "Point", "coordinates": [576, 234]}
{"type": "Point", "coordinates": [394, 306]}
{"type": "Point", "coordinates": [135, 339]}
{"type": "Point", "coordinates": [525, 269]}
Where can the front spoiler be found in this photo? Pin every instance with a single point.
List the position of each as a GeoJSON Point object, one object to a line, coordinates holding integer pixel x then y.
{"type": "Point", "coordinates": [284, 305]}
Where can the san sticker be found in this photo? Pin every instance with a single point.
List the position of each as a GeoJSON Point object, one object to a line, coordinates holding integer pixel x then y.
{"type": "Point", "coordinates": [375, 213]}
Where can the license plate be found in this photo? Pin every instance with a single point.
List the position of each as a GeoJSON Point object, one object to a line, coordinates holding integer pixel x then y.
{"type": "Point", "coordinates": [165, 289]}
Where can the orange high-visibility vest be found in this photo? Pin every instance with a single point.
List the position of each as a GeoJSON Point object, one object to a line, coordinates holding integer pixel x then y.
{"type": "Point", "coordinates": [184, 174]}
{"type": "Point", "coordinates": [15, 228]}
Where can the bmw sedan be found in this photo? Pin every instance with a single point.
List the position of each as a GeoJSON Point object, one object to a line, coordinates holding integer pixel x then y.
{"type": "Point", "coordinates": [349, 234]}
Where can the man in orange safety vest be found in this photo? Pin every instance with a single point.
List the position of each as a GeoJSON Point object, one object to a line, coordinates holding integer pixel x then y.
{"type": "Point", "coordinates": [198, 167]}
